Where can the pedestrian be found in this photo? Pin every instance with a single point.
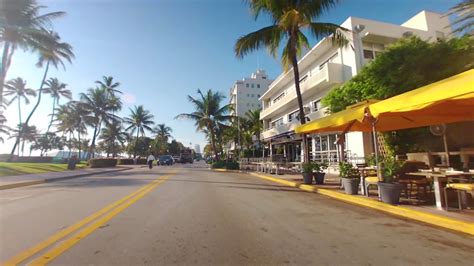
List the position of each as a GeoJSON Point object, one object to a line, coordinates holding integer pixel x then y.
{"type": "Point", "coordinates": [150, 160]}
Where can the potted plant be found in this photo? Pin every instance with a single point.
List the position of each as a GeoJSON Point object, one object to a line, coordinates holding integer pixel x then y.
{"type": "Point", "coordinates": [319, 172]}
{"type": "Point", "coordinates": [389, 187]}
{"type": "Point", "coordinates": [307, 168]}
{"type": "Point", "coordinates": [350, 177]}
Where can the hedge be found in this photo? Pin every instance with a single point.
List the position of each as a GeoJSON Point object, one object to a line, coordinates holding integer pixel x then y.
{"type": "Point", "coordinates": [230, 165]}
{"type": "Point", "coordinates": [26, 159]}
{"type": "Point", "coordinates": [102, 162]}
{"type": "Point", "coordinates": [125, 161]}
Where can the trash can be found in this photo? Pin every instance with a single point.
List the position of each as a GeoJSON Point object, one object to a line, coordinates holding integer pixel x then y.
{"type": "Point", "coordinates": [71, 164]}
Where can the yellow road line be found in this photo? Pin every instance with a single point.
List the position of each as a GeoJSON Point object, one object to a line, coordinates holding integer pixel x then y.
{"type": "Point", "coordinates": [15, 260]}
{"type": "Point", "coordinates": [73, 240]}
{"type": "Point", "coordinates": [428, 218]}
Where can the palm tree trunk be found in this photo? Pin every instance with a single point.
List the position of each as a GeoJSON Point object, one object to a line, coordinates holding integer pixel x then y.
{"type": "Point", "coordinates": [36, 105]}
{"type": "Point", "coordinates": [79, 148]}
{"type": "Point", "coordinates": [213, 143]}
{"type": "Point", "coordinates": [4, 68]}
{"type": "Point", "coordinates": [294, 62]}
{"type": "Point", "coordinates": [52, 116]}
{"type": "Point", "coordinates": [91, 155]}
{"type": "Point", "coordinates": [70, 145]}
{"type": "Point", "coordinates": [40, 91]}
{"type": "Point", "coordinates": [136, 144]}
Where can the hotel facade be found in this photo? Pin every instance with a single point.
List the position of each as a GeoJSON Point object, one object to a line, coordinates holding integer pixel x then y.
{"type": "Point", "coordinates": [321, 69]}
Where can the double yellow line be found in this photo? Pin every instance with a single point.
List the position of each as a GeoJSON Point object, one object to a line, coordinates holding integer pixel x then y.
{"type": "Point", "coordinates": [90, 224]}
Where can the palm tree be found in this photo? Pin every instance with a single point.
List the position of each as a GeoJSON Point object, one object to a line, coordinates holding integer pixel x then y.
{"type": "Point", "coordinates": [21, 26]}
{"type": "Point", "coordinates": [100, 108]}
{"type": "Point", "coordinates": [253, 123]}
{"type": "Point", "coordinates": [71, 118]}
{"type": "Point", "coordinates": [139, 121]}
{"type": "Point", "coordinates": [112, 134]}
{"type": "Point", "coordinates": [289, 19]}
{"type": "Point", "coordinates": [17, 88]}
{"type": "Point", "coordinates": [26, 134]}
{"type": "Point", "coordinates": [52, 51]}
{"type": "Point", "coordinates": [57, 90]}
{"type": "Point", "coordinates": [163, 132]}
{"type": "Point", "coordinates": [209, 115]}
{"type": "Point", "coordinates": [465, 17]}
{"type": "Point", "coordinates": [4, 129]}
{"type": "Point", "coordinates": [109, 85]}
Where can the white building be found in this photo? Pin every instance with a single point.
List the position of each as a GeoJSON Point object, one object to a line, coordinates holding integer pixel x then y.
{"type": "Point", "coordinates": [197, 148]}
{"type": "Point", "coordinates": [326, 66]}
{"type": "Point", "coordinates": [245, 93]}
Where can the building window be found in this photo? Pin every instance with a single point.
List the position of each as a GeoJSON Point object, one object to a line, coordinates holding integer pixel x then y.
{"type": "Point", "coordinates": [368, 54]}
{"type": "Point", "coordinates": [253, 95]}
{"type": "Point", "coordinates": [248, 104]}
{"type": "Point", "coordinates": [246, 85]}
{"type": "Point", "coordinates": [248, 94]}
{"type": "Point", "coordinates": [293, 116]}
{"type": "Point", "coordinates": [264, 77]}
{"type": "Point", "coordinates": [252, 105]}
{"type": "Point", "coordinates": [279, 97]}
{"type": "Point", "coordinates": [252, 86]}
{"type": "Point", "coordinates": [277, 122]}
{"type": "Point", "coordinates": [258, 86]}
{"type": "Point", "coordinates": [258, 95]}
{"type": "Point", "coordinates": [304, 78]}
{"type": "Point", "coordinates": [316, 105]}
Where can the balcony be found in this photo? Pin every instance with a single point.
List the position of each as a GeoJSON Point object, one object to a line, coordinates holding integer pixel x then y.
{"type": "Point", "coordinates": [331, 74]}
{"type": "Point", "coordinates": [279, 129]}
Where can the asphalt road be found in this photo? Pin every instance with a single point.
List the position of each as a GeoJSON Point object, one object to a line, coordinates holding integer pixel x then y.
{"type": "Point", "coordinates": [190, 215]}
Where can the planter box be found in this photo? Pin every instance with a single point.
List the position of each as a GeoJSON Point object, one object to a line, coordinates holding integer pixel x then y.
{"type": "Point", "coordinates": [351, 185]}
{"type": "Point", "coordinates": [390, 192]}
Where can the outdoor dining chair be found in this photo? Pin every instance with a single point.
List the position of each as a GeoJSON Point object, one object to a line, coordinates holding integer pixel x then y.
{"type": "Point", "coordinates": [460, 187]}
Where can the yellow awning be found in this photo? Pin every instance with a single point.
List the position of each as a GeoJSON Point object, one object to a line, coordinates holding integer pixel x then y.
{"type": "Point", "coordinates": [351, 118]}
{"type": "Point", "coordinates": [446, 101]}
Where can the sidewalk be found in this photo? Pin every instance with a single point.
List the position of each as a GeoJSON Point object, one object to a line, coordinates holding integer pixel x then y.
{"type": "Point", "coordinates": [452, 220]}
{"type": "Point", "coordinates": [9, 182]}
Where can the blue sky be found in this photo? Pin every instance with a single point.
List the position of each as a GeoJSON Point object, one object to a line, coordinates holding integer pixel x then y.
{"type": "Point", "coordinates": [163, 50]}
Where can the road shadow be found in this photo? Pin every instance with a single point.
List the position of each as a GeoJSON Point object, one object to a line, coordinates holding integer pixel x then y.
{"type": "Point", "coordinates": [221, 182]}
{"type": "Point", "coordinates": [280, 189]}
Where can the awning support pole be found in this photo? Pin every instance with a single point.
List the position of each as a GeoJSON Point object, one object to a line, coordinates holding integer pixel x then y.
{"type": "Point", "coordinates": [376, 147]}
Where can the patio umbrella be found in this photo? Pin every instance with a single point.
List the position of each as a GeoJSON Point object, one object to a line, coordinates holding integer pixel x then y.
{"type": "Point", "coordinates": [446, 101]}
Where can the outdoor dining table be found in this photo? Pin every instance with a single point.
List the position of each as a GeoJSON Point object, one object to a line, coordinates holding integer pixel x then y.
{"type": "Point", "coordinates": [439, 178]}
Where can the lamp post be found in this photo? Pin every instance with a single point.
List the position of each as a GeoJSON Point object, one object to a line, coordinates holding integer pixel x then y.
{"type": "Point", "coordinates": [357, 30]}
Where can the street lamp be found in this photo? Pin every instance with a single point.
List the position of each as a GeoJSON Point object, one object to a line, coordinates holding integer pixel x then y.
{"type": "Point", "coordinates": [357, 30]}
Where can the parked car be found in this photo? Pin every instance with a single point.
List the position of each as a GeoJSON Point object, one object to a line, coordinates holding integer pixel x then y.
{"type": "Point", "coordinates": [176, 159]}
{"type": "Point", "coordinates": [165, 160]}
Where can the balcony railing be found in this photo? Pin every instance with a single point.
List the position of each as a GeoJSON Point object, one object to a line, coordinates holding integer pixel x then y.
{"type": "Point", "coordinates": [279, 129]}
{"type": "Point", "coordinates": [332, 73]}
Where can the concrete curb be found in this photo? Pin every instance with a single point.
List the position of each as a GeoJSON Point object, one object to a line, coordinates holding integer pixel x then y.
{"type": "Point", "coordinates": [427, 218]}
{"type": "Point", "coordinates": [48, 180]}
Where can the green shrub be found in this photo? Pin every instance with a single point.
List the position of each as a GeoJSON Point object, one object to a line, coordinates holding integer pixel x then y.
{"type": "Point", "coordinates": [125, 161]}
{"type": "Point", "coordinates": [102, 162]}
{"type": "Point", "coordinates": [232, 165]}
{"type": "Point", "coordinates": [218, 165]}
{"type": "Point", "coordinates": [346, 170]}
